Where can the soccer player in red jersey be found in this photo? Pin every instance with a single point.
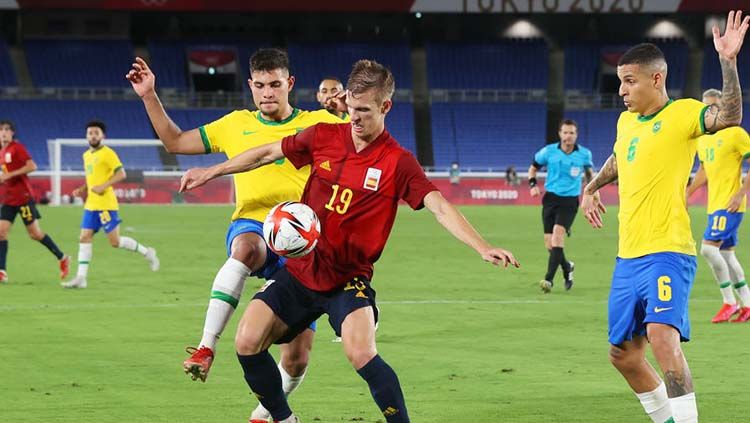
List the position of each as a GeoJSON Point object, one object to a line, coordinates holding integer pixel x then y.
{"type": "Point", "coordinates": [19, 199]}
{"type": "Point", "coordinates": [359, 175]}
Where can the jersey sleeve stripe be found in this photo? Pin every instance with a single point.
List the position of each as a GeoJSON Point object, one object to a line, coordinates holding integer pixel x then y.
{"type": "Point", "coordinates": [204, 138]}
{"type": "Point", "coordinates": [703, 119]}
{"type": "Point", "coordinates": [745, 156]}
{"type": "Point", "coordinates": [117, 169]}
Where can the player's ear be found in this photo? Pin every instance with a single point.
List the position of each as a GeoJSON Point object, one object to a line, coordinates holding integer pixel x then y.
{"type": "Point", "coordinates": [386, 107]}
{"type": "Point", "coordinates": [250, 83]}
{"type": "Point", "coordinates": [291, 80]}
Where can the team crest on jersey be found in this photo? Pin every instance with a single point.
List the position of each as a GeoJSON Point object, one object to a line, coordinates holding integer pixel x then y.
{"type": "Point", "coordinates": [372, 179]}
{"type": "Point", "coordinates": [8, 157]}
{"type": "Point", "coordinates": [656, 127]}
{"type": "Point", "coordinates": [326, 165]}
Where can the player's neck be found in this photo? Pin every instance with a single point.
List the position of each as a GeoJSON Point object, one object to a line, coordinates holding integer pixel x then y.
{"type": "Point", "coordinates": [657, 105]}
{"type": "Point", "coordinates": [360, 142]}
{"type": "Point", "coordinates": [282, 115]}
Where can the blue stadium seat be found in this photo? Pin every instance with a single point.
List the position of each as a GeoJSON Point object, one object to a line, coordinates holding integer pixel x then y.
{"type": "Point", "coordinates": [597, 130]}
{"type": "Point", "coordinates": [712, 69]}
{"type": "Point", "coordinates": [7, 74]}
{"type": "Point", "coordinates": [511, 64]}
{"type": "Point", "coordinates": [78, 63]}
{"type": "Point", "coordinates": [487, 135]}
{"type": "Point", "coordinates": [313, 62]}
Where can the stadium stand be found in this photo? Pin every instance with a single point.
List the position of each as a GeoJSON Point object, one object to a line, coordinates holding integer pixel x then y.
{"type": "Point", "coordinates": [7, 74]}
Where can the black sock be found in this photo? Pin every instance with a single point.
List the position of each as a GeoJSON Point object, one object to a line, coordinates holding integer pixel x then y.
{"type": "Point", "coordinates": [264, 380]}
{"type": "Point", "coordinates": [52, 247]}
{"type": "Point", "coordinates": [3, 253]}
{"type": "Point", "coordinates": [565, 264]}
{"type": "Point", "coordinates": [385, 389]}
{"type": "Point", "coordinates": [555, 258]}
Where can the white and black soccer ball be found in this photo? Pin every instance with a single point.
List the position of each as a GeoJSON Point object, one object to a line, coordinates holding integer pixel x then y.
{"type": "Point", "coordinates": [291, 229]}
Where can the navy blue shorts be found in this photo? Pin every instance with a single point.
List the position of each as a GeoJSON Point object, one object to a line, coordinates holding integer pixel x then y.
{"type": "Point", "coordinates": [242, 226]}
{"type": "Point", "coordinates": [298, 306]}
{"type": "Point", "coordinates": [723, 226]}
{"type": "Point", "coordinates": [98, 219]}
{"type": "Point", "coordinates": [650, 289]}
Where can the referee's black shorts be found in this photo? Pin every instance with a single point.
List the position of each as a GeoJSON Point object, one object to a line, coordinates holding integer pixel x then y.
{"type": "Point", "coordinates": [558, 210]}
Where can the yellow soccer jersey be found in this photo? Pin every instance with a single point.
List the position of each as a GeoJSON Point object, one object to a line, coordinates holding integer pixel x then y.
{"type": "Point", "coordinates": [256, 192]}
{"type": "Point", "coordinates": [722, 155]}
{"type": "Point", "coordinates": [655, 154]}
{"type": "Point", "coordinates": [100, 165]}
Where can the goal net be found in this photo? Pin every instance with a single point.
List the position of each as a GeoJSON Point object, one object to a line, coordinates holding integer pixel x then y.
{"type": "Point", "coordinates": [153, 175]}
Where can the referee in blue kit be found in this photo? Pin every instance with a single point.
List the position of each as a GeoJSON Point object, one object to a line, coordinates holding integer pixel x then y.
{"type": "Point", "coordinates": [567, 165]}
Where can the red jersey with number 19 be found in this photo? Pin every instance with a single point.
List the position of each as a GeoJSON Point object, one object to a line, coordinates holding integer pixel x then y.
{"type": "Point", "coordinates": [355, 195]}
{"type": "Point", "coordinates": [18, 188]}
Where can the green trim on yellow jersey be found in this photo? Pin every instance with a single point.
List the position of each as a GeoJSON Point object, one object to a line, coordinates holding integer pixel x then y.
{"type": "Point", "coordinates": [653, 115]}
{"type": "Point", "coordinates": [204, 138]}
{"type": "Point", "coordinates": [117, 169]}
{"type": "Point", "coordinates": [703, 119]}
{"type": "Point", "coordinates": [746, 156]}
{"type": "Point", "coordinates": [295, 112]}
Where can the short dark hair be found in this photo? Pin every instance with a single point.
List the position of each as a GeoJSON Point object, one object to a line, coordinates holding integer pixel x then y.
{"type": "Point", "coordinates": [269, 59]}
{"type": "Point", "coordinates": [642, 54]}
{"type": "Point", "coordinates": [97, 124]}
{"type": "Point", "coordinates": [9, 123]}
{"type": "Point", "coordinates": [367, 74]}
{"type": "Point", "coordinates": [330, 78]}
{"type": "Point", "coordinates": [567, 122]}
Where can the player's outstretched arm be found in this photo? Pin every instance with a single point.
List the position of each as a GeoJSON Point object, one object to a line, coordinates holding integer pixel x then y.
{"type": "Point", "coordinates": [458, 226]}
{"type": "Point", "coordinates": [175, 140]}
{"type": "Point", "coordinates": [698, 181]}
{"type": "Point", "coordinates": [243, 162]}
{"type": "Point", "coordinates": [728, 112]}
{"type": "Point", "coordinates": [29, 167]}
{"type": "Point", "coordinates": [591, 203]}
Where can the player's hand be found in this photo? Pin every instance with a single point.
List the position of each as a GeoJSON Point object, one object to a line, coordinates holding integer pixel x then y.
{"type": "Point", "coordinates": [78, 192]}
{"type": "Point", "coordinates": [736, 202]}
{"type": "Point", "coordinates": [337, 102]}
{"type": "Point", "coordinates": [593, 209]}
{"type": "Point", "coordinates": [729, 44]}
{"type": "Point", "coordinates": [195, 178]}
{"type": "Point", "coordinates": [535, 191]}
{"type": "Point", "coordinates": [4, 177]}
{"type": "Point", "coordinates": [499, 256]}
{"type": "Point", "coordinates": [141, 78]}
{"type": "Point", "coordinates": [98, 189]}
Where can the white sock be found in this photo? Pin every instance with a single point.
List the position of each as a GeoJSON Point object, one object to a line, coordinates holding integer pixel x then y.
{"type": "Point", "coordinates": [288, 384]}
{"type": "Point", "coordinates": [85, 251]}
{"type": "Point", "coordinates": [128, 243]}
{"type": "Point", "coordinates": [720, 270]}
{"type": "Point", "coordinates": [684, 408]}
{"type": "Point", "coordinates": [738, 276]}
{"type": "Point", "coordinates": [656, 404]}
{"type": "Point", "coordinates": [225, 295]}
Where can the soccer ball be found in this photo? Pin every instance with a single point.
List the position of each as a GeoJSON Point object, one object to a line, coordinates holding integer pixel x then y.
{"type": "Point", "coordinates": [291, 229]}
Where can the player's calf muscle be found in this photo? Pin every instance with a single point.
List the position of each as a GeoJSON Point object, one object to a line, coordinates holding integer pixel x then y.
{"type": "Point", "coordinates": [679, 382]}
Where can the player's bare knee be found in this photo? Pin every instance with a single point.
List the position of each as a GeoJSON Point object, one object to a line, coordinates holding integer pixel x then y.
{"type": "Point", "coordinates": [85, 238]}
{"type": "Point", "coordinates": [622, 359]}
{"type": "Point", "coordinates": [359, 355]}
{"type": "Point", "coordinates": [36, 235]}
{"type": "Point", "coordinates": [248, 253]}
{"type": "Point", "coordinates": [295, 361]}
{"type": "Point", "coordinates": [248, 343]}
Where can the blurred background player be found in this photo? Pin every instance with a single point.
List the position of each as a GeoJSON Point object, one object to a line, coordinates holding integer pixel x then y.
{"type": "Point", "coordinates": [270, 84]}
{"type": "Point", "coordinates": [655, 268]}
{"type": "Point", "coordinates": [567, 164]}
{"type": "Point", "coordinates": [360, 174]}
{"type": "Point", "coordinates": [103, 170]}
{"type": "Point", "coordinates": [721, 155]}
{"type": "Point", "coordinates": [330, 87]}
{"type": "Point", "coordinates": [19, 199]}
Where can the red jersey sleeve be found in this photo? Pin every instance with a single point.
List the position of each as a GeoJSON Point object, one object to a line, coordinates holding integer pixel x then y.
{"type": "Point", "coordinates": [413, 184]}
{"type": "Point", "coordinates": [298, 147]}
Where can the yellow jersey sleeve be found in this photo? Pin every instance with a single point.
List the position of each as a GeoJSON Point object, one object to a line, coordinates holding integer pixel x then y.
{"type": "Point", "coordinates": [324, 116]}
{"type": "Point", "coordinates": [742, 143]}
{"type": "Point", "coordinates": [217, 134]}
{"type": "Point", "coordinates": [695, 111]}
{"type": "Point", "coordinates": [113, 160]}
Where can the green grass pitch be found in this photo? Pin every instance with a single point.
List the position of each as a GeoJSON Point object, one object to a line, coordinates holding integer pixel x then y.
{"type": "Point", "coordinates": [470, 343]}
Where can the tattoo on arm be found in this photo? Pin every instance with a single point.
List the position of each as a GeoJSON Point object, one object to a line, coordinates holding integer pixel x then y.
{"type": "Point", "coordinates": [607, 174]}
{"type": "Point", "coordinates": [729, 110]}
{"type": "Point", "coordinates": [678, 383]}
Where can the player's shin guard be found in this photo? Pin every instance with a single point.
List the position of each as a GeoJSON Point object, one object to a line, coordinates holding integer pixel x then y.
{"type": "Point", "coordinates": [263, 377]}
{"type": "Point", "coordinates": [738, 276]}
{"type": "Point", "coordinates": [656, 404]}
{"type": "Point", "coordinates": [85, 252]}
{"type": "Point", "coordinates": [684, 408]}
{"type": "Point", "coordinates": [3, 253]}
{"type": "Point", "coordinates": [385, 389]}
{"type": "Point", "coordinates": [128, 243]}
{"type": "Point", "coordinates": [720, 270]}
{"type": "Point", "coordinates": [555, 259]}
{"type": "Point", "coordinates": [51, 246]}
{"type": "Point", "coordinates": [225, 295]}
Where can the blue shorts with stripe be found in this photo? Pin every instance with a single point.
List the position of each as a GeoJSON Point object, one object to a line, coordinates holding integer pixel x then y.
{"type": "Point", "coordinates": [650, 289]}
{"type": "Point", "coordinates": [98, 219]}
{"type": "Point", "coordinates": [723, 226]}
{"type": "Point", "coordinates": [273, 263]}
